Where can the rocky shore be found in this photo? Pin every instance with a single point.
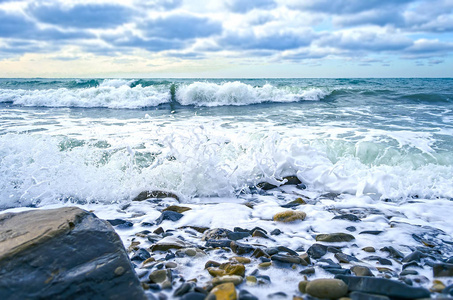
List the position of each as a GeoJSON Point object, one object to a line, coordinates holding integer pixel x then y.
{"type": "Point", "coordinates": [281, 243]}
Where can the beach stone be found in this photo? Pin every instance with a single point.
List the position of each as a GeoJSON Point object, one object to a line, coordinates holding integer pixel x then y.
{"type": "Point", "coordinates": [292, 180]}
{"type": "Point", "coordinates": [438, 286]}
{"type": "Point", "coordinates": [307, 271]}
{"type": "Point", "coordinates": [385, 261]}
{"type": "Point", "coordinates": [211, 263]}
{"type": "Point", "coordinates": [193, 296]}
{"type": "Point", "coordinates": [351, 229]}
{"type": "Point", "coordinates": [327, 288]}
{"type": "Point", "coordinates": [218, 243]}
{"type": "Point", "coordinates": [349, 217]}
{"type": "Point", "coordinates": [382, 286]}
{"type": "Point", "coordinates": [233, 269]}
{"type": "Point", "coordinates": [294, 203]}
{"type": "Point", "coordinates": [266, 186]}
{"type": "Point", "coordinates": [235, 279]}
{"type": "Point", "coordinates": [190, 252]}
{"type": "Point", "coordinates": [167, 243]}
{"type": "Point", "coordinates": [183, 289]}
{"type": "Point", "coordinates": [334, 237]}
{"type": "Point", "coordinates": [240, 248]}
{"type": "Point", "coordinates": [158, 276]}
{"type": "Point", "coordinates": [408, 272]}
{"type": "Point", "coordinates": [63, 253]}
{"type": "Point", "coordinates": [265, 265]}
{"type": "Point", "coordinates": [276, 231]}
{"type": "Point", "coordinates": [120, 223]}
{"type": "Point", "coordinates": [259, 233]}
{"type": "Point", "coordinates": [317, 251]}
{"type": "Point", "coordinates": [361, 271]}
{"type": "Point", "coordinates": [371, 232]}
{"type": "Point", "coordinates": [246, 295]}
{"type": "Point", "coordinates": [234, 236]}
{"type": "Point", "coordinates": [177, 208]}
{"type": "Point", "coordinates": [141, 255]}
{"type": "Point", "coordinates": [216, 234]}
{"type": "Point", "coordinates": [302, 286]}
{"type": "Point", "coordinates": [258, 252]}
{"type": "Point", "coordinates": [277, 295]}
{"type": "Point", "coordinates": [287, 250]}
{"type": "Point", "coordinates": [171, 265]}
{"type": "Point", "coordinates": [369, 249]}
{"type": "Point", "coordinates": [168, 215]}
{"type": "Point", "coordinates": [225, 291]}
{"type": "Point", "coordinates": [155, 194]}
{"type": "Point", "coordinates": [367, 296]}
{"type": "Point", "coordinates": [443, 269]}
{"type": "Point", "coordinates": [288, 259]}
{"type": "Point", "coordinates": [289, 216]}
{"type": "Point", "coordinates": [344, 258]}
{"type": "Point", "coordinates": [305, 257]}
{"type": "Point", "coordinates": [393, 252]}
{"type": "Point", "coordinates": [240, 259]}
{"type": "Point", "coordinates": [159, 230]}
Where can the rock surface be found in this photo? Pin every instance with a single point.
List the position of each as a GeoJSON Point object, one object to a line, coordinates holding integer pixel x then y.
{"type": "Point", "coordinates": [289, 216]}
{"type": "Point", "coordinates": [63, 253]}
{"type": "Point", "coordinates": [326, 288]}
{"type": "Point", "coordinates": [381, 286]}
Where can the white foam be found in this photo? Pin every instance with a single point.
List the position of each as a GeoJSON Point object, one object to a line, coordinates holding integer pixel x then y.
{"type": "Point", "coordinates": [238, 93]}
{"type": "Point", "coordinates": [111, 94]}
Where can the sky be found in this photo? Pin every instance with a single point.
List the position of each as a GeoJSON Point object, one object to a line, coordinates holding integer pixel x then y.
{"type": "Point", "coordinates": [226, 38]}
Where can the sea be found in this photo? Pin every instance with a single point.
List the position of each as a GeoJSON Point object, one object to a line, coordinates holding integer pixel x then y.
{"type": "Point", "coordinates": [104, 141]}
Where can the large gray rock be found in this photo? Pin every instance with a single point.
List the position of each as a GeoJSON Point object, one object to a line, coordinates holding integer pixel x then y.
{"type": "Point", "coordinates": [381, 286]}
{"type": "Point", "coordinates": [63, 253]}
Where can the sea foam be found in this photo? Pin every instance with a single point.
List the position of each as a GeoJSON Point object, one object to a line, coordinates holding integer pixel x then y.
{"type": "Point", "coordinates": [119, 93]}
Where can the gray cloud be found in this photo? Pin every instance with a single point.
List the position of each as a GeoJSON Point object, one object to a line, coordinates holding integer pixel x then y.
{"type": "Point", "coordinates": [241, 6]}
{"type": "Point", "coordinates": [272, 41]}
{"type": "Point", "coordinates": [180, 26]}
{"type": "Point", "coordinates": [338, 7]}
{"type": "Point", "coordinates": [82, 15]}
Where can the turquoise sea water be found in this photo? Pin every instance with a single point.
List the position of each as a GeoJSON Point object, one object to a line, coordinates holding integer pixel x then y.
{"type": "Point", "coordinates": [105, 140]}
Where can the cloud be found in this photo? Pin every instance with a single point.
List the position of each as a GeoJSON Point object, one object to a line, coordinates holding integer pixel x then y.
{"type": "Point", "coordinates": [130, 40]}
{"type": "Point", "coordinates": [82, 15]}
{"type": "Point", "coordinates": [277, 40]}
{"type": "Point", "coordinates": [180, 26]}
{"type": "Point", "coordinates": [371, 17]}
{"type": "Point", "coordinates": [338, 7]}
{"type": "Point", "coordinates": [366, 40]}
{"type": "Point", "coordinates": [161, 5]}
{"type": "Point", "coordinates": [424, 48]}
{"type": "Point", "coordinates": [241, 6]}
{"type": "Point", "coordinates": [18, 26]}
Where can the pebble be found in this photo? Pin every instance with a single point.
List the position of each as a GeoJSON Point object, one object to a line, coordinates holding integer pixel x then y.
{"type": "Point", "coordinates": [177, 208]}
{"type": "Point", "coordinates": [225, 291]}
{"type": "Point", "coordinates": [190, 252]}
{"type": "Point", "coordinates": [193, 296]}
{"type": "Point", "coordinates": [276, 232]}
{"type": "Point", "coordinates": [288, 259]}
{"type": "Point", "coordinates": [141, 255]}
{"type": "Point", "coordinates": [167, 243]}
{"type": "Point", "coordinates": [334, 237]}
{"type": "Point", "coordinates": [245, 295]}
{"type": "Point", "coordinates": [294, 203]}
{"type": "Point", "coordinates": [382, 286]}
{"type": "Point", "coordinates": [169, 215]}
{"type": "Point", "coordinates": [240, 248]}
{"type": "Point", "coordinates": [327, 288]}
{"type": "Point", "coordinates": [317, 251]}
{"type": "Point", "coordinates": [183, 289]}
{"type": "Point", "coordinates": [349, 217]}
{"type": "Point", "coordinates": [361, 271]}
{"type": "Point", "coordinates": [264, 265]}
{"type": "Point", "coordinates": [307, 271]}
{"type": "Point", "coordinates": [235, 279]}
{"type": "Point", "coordinates": [289, 216]}
{"type": "Point", "coordinates": [369, 249]}
{"type": "Point", "coordinates": [240, 259]}
{"type": "Point", "coordinates": [158, 276]}
{"type": "Point", "coordinates": [344, 258]}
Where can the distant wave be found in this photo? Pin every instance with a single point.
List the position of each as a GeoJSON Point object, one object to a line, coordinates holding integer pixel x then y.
{"type": "Point", "coordinates": [132, 94]}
